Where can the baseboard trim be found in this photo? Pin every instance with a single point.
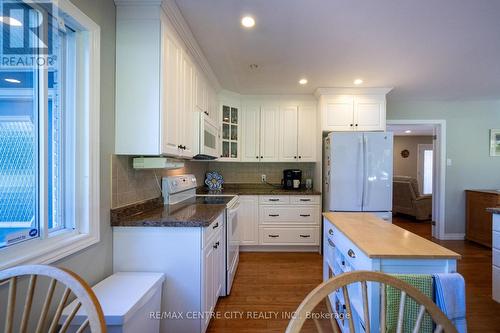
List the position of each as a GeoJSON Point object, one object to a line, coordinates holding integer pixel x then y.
{"type": "Point", "coordinates": [453, 236]}
{"type": "Point", "coordinates": [279, 248]}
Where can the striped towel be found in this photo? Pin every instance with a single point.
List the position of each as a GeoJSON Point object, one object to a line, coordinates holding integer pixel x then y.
{"type": "Point", "coordinates": [422, 282]}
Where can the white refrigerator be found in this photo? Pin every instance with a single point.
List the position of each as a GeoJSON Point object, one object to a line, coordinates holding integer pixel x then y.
{"type": "Point", "coordinates": [358, 172]}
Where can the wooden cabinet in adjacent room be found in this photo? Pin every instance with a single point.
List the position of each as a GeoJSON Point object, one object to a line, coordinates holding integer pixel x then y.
{"type": "Point", "coordinates": [478, 220]}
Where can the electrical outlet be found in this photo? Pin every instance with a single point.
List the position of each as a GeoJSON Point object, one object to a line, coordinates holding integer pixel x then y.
{"type": "Point", "coordinates": [263, 178]}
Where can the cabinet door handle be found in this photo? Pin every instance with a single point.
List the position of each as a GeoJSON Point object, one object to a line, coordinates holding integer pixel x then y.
{"type": "Point", "coordinates": [295, 157]}
{"type": "Point", "coordinates": [305, 236]}
{"type": "Point", "coordinates": [351, 125]}
{"type": "Point", "coordinates": [216, 225]}
{"type": "Point", "coordinates": [206, 112]}
{"type": "Point", "coordinates": [262, 157]}
{"type": "Point", "coordinates": [330, 243]}
{"type": "Point", "coordinates": [216, 245]}
{"type": "Point", "coordinates": [304, 200]}
{"type": "Point", "coordinates": [305, 215]}
{"type": "Point", "coordinates": [356, 125]}
{"type": "Point", "coordinates": [274, 236]}
{"type": "Point", "coordinates": [274, 215]}
{"type": "Point", "coordinates": [274, 199]}
{"type": "Point", "coordinates": [256, 157]}
{"type": "Point", "coordinates": [300, 156]}
{"type": "Point", "coordinates": [351, 253]}
{"type": "Point", "coordinates": [330, 231]}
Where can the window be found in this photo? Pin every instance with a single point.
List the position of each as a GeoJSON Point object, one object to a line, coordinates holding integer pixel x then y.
{"type": "Point", "coordinates": [48, 165]}
{"type": "Point", "coordinates": [425, 167]}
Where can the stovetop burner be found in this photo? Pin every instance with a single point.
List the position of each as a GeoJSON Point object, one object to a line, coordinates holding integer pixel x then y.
{"type": "Point", "coordinates": [214, 200]}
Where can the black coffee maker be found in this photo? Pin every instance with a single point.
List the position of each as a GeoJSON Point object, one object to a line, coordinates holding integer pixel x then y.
{"type": "Point", "coordinates": [292, 179]}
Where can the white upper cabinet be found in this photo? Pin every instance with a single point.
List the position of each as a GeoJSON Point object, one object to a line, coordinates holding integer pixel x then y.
{"type": "Point", "coordinates": [288, 151]}
{"type": "Point", "coordinates": [353, 109]}
{"type": "Point", "coordinates": [307, 133]}
{"type": "Point", "coordinates": [269, 130]}
{"type": "Point", "coordinates": [188, 115]}
{"type": "Point", "coordinates": [157, 95]}
{"type": "Point", "coordinates": [369, 112]}
{"type": "Point", "coordinates": [250, 133]}
{"type": "Point", "coordinates": [298, 133]}
{"type": "Point", "coordinates": [338, 113]}
{"type": "Point", "coordinates": [172, 75]}
{"type": "Point", "coordinates": [279, 132]}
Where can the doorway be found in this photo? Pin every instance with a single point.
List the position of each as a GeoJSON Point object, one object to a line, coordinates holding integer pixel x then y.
{"type": "Point", "coordinates": [418, 179]}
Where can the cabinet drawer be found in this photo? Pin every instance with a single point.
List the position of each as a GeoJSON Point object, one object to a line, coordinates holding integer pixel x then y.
{"type": "Point", "coordinates": [274, 199]}
{"type": "Point", "coordinates": [212, 229]}
{"type": "Point", "coordinates": [496, 284]}
{"type": "Point", "coordinates": [496, 240]}
{"type": "Point", "coordinates": [357, 259]}
{"type": "Point", "coordinates": [289, 214]}
{"type": "Point", "coordinates": [496, 222]}
{"type": "Point", "coordinates": [496, 257]}
{"type": "Point", "coordinates": [288, 236]}
{"type": "Point", "coordinates": [304, 199]}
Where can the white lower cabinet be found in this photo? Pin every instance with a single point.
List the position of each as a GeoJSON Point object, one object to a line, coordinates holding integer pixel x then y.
{"type": "Point", "coordinates": [496, 258]}
{"type": "Point", "coordinates": [192, 259]}
{"type": "Point", "coordinates": [288, 235]}
{"type": "Point", "coordinates": [248, 219]}
{"type": "Point", "coordinates": [213, 266]}
{"type": "Point", "coordinates": [280, 220]}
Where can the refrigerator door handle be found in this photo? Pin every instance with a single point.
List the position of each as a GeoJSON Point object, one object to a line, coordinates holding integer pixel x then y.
{"type": "Point", "coordinates": [365, 173]}
{"type": "Point", "coordinates": [361, 172]}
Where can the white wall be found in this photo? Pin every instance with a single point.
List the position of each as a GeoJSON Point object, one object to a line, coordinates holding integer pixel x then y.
{"type": "Point", "coordinates": [467, 145]}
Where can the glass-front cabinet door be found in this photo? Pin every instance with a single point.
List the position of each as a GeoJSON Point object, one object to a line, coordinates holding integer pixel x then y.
{"type": "Point", "coordinates": [230, 133]}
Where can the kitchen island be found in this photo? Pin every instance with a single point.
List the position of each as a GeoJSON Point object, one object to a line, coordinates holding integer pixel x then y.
{"type": "Point", "coordinates": [362, 241]}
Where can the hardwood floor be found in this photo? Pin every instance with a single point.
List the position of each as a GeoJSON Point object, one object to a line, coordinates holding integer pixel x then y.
{"type": "Point", "coordinates": [274, 284]}
{"type": "Point", "coordinates": [483, 314]}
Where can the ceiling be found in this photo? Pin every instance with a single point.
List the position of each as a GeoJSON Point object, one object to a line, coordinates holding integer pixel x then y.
{"type": "Point", "coordinates": [416, 129]}
{"type": "Point", "coordinates": [425, 49]}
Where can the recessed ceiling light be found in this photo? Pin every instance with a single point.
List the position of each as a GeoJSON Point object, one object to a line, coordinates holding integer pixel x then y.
{"type": "Point", "coordinates": [12, 80]}
{"type": "Point", "coordinates": [358, 81]}
{"type": "Point", "coordinates": [10, 21]}
{"type": "Point", "coordinates": [247, 21]}
{"type": "Point", "coordinates": [407, 131]}
{"type": "Point", "coordinates": [303, 81]}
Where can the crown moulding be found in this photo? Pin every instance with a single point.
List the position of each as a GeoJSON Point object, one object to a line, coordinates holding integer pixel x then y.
{"type": "Point", "coordinates": [180, 25]}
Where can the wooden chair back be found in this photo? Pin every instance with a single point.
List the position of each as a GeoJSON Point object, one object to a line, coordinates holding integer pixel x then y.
{"type": "Point", "coordinates": [342, 281]}
{"type": "Point", "coordinates": [73, 286]}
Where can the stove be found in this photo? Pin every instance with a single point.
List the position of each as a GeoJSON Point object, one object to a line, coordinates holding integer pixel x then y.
{"type": "Point", "coordinates": [176, 189]}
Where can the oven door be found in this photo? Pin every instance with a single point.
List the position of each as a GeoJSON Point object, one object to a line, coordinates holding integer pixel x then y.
{"type": "Point", "coordinates": [209, 138]}
{"type": "Point", "coordinates": [233, 245]}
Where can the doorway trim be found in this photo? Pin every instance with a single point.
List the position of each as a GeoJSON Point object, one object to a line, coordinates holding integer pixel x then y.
{"type": "Point", "coordinates": [438, 202]}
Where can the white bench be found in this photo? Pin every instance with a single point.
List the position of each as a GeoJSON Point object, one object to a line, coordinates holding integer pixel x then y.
{"type": "Point", "coordinates": [130, 302]}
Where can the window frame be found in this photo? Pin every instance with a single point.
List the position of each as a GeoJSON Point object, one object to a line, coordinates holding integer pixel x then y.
{"type": "Point", "coordinates": [85, 194]}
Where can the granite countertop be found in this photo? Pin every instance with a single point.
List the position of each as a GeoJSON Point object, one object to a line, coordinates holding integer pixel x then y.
{"type": "Point", "coordinates": [494, 210]}
{"type": "Point", "coordinates": [257, 189]}
{"type": "Point", "coordinates": [152, 213]}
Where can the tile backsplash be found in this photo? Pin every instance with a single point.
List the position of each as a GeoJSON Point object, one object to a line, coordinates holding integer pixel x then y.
{"type": "Point", "coordinates": [132, 185]}
{"type": "Point", "coordinates": [241, 172]}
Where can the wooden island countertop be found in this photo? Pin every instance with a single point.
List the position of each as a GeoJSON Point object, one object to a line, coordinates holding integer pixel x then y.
{"type": "Point", "coordinates": [380, 239]}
